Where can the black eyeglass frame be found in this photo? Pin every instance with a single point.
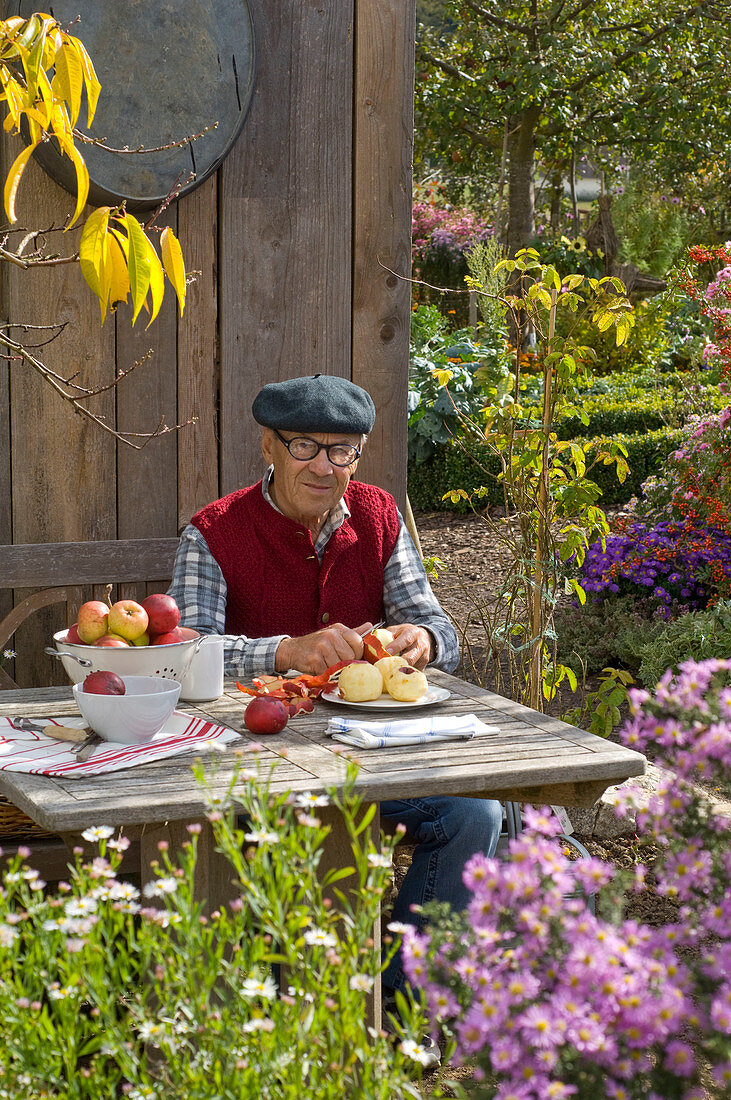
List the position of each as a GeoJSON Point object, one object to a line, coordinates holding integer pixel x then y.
{"type": "Point", "coordinates": [326, 447]}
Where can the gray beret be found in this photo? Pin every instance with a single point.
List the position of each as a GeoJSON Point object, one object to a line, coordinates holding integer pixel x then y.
{"type": "Point", "coordinates": [318, 403]}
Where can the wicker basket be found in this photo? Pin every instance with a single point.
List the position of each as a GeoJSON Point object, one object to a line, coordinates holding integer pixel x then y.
{"type": "Point", "coordinates": [14, 823]}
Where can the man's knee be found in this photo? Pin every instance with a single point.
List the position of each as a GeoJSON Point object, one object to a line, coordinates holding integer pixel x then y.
{"type": "Point", "coordinates": [476, 821]}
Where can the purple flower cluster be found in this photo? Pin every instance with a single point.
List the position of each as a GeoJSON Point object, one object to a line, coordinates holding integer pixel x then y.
{"type": "Point", "coordinates": [445, 229]}
{"type": "Point", "coordinates": [551, 1001]}
{"type": "Point", "coordinates": [672, 565]}
{"type": "Point", "coordinates": [543, 994]}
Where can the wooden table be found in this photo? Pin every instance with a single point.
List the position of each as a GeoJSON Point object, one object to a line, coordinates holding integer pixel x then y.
{"type": "Point", "coordinates": [534, 759]}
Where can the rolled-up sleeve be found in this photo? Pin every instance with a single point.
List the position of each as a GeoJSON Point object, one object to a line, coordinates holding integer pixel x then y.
{"type": "Point", "coordinates": [199, 589]}
{"type": "Point", "coordinates": [408, 598]}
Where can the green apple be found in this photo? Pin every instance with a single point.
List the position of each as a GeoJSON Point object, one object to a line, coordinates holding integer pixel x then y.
{"type": "Point", "coordinates": [128, 619]}
{"type": "Point", "coordinates": [144, 639]}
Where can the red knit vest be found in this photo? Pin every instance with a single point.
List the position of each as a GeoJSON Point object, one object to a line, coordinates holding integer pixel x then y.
{"type": "Point", "coordinates": [274, 582]}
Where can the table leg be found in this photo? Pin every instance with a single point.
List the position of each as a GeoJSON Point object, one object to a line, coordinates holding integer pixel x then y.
{"type": "Point", "coordinates": [214, 884]}
{"type": "Point", "coordinates": [337, 852]}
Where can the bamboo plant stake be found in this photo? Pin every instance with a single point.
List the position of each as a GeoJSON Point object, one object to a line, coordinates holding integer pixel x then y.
{"type": "Point", "coordinates": [543, 530]}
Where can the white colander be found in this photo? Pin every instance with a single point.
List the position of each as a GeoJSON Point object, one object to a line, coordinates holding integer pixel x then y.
{"type": "Point", "coordinates": [171, 661]}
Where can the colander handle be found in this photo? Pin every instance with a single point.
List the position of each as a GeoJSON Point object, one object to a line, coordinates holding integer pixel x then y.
{"type": "Point", "coordinates": [84, 661]}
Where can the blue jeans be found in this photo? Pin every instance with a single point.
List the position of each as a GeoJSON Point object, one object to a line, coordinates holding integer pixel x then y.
{"type": "Point", "coordinates": [448, 831]}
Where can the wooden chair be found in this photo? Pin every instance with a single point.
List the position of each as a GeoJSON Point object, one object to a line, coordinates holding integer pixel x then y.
{"type": "Point", "coordinates": [62, 569]}
{"type": "Point", "coordinates": [68, 573]}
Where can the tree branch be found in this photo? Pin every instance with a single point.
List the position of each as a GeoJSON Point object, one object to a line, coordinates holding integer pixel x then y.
{"type": "Point", "coordinates": [62, 385]}
{"type": "Point", "coordinates": [651, 36]}
{"type": "Point", "coordinates": [496, 20]}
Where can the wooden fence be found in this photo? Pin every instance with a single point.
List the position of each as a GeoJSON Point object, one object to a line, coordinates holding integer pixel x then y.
{"type": "Point", "coordinates": [295, 241]}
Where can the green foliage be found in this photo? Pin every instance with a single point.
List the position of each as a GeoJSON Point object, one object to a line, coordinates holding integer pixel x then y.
{"type": "Point", "coordinates": [602, 633]}
{"type": "Point", "coordinates": [638, 76]}
{"type": "Point", "coordinates": [655, 228]}
{"type": "Point", "coordinates": [568, 256]}
{"type": "Point", "coordinates": [451, 377]}
{"type": "Point", "coordinates": [619, 630]}
{"type": "Point", "coordinates": [103, 997]}
{"type": "Point", "coordinates": [453, 465]}
{"type": "Point", "coordinates": [694, 636]}
{"type": "Point", "coordinates": [599, 711]}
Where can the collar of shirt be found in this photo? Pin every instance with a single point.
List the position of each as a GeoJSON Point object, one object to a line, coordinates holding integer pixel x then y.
{"type": "Point", "coordinates": [336, 517]}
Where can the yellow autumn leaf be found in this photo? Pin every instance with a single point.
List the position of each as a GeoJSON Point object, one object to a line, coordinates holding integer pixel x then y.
{"type": "Point", "coordinates": [82, 181]}
{"type": "Point", "coordinates": [157, 282]}
{"type": "Point", "coordinates": [138, 263]}
{"type": "Point", "coordinates": [68, 81]}
{"type": "Point", "coordinates": [13, 179]}
{"type": "Point", "coordinates": [91, 248]}
{"type": "Point", "coordinates": [172, 261]}
{"type": "Point", "coordinates": [93, 87]}
{"type": "Point", "coordinates": [119, 276]}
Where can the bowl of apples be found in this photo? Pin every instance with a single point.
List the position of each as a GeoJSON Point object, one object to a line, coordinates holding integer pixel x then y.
{"type": "Point", "coordinates": [126, 709]}
{"type": "Point", "coordinates": [127, 638]}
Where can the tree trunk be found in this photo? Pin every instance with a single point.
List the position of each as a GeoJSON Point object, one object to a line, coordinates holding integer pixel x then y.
{"type": "Point", "coordinates": [521, 199]}
{"type": "Point", "coordinates": [556, 197]}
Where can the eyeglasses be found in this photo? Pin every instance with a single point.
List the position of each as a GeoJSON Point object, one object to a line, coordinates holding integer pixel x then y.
{"type": "Point", "coordinates": [303, 449]}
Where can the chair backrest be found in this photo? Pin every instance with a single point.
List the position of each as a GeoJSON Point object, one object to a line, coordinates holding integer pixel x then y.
{"type": "Point", "coordinates": [63, 570]}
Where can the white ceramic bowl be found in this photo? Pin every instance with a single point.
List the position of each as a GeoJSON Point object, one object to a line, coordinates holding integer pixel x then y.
{"type": "Point", "coordinates": [134, 717]}
{"type": "Point", "coordinates": [170, 661]}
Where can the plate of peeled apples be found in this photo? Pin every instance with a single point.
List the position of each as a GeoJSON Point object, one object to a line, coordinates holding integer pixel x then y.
{"type": "Point", "coordinates": [382, 681]}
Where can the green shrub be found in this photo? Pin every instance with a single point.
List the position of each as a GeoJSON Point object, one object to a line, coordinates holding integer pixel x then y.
{"type": "Point", "coordinates": [453, 467]}
{"type": "Point", "coordinates": [692, 637]}
{"type": "Point", "coordinates": [602, 633]}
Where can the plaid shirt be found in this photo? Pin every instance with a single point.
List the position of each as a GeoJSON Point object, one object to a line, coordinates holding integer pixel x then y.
{"type": "Point", "coordinates": [199, 590]}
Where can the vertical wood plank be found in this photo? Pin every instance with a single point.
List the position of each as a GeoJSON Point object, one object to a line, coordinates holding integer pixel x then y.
{"type": "Point", "coordinates": [285, 219]}
{"type": "Point", "coordinates": [147, 504]}
{"type": "Point", "coordinates": [198, 353]}
{"type": "Point", "coordinates": [6, 520]}
{"type": "Point", "coordinates": [383, 141]}
{"type": "Point", "coordinates": [62, 466]}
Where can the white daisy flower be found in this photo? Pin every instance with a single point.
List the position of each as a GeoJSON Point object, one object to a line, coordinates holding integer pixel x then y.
{"type": "Point", "coordinates": [50, 926]}
{"type": "Point", "coordinates": [98, 832]}
{"type": "Point", "coordinates": [148, 1029]}
{"type": "Point", "coordinates": [7, 935]}
{"type": "Point", "coordinates": [318, 937]}
{"type": "Point", "coordinates": [362, 982]}
{"type": "Point", "coordinates": [308, 801]}
{"type": "Point", "coordinates": [261, 836]}
{"type": "Point", "coordinates": [160, 887]}
{"type": "Point", "coordinates": [399, 927]}
{"type": "Point", "coordinates": [416, 1052]}
{"type": "Point", "coordinates": [260, 987]}
{"type": "Point", "coordinates": [258, 1024]}
{"type": "Point", "coordinates": [375, 859]}
{"type": "Point", "coordinates": [80, 907]}
{"type": "Point", "coordinates": [127, 906]}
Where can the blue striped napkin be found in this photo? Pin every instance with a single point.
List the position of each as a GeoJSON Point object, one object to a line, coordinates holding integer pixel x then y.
{"type": "Point", "coordinates": [407, 731]}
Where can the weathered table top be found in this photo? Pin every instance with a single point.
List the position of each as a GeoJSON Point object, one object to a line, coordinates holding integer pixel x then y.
{"type": "Point", "coordinates": [533, 758]}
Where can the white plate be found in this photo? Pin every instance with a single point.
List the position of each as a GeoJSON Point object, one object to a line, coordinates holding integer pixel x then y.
{"type": "Point", "coordinates": [385, 702]}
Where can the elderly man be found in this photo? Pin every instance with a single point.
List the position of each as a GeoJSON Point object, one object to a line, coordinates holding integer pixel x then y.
{"type": "Point", "coordinates": [293, 569]}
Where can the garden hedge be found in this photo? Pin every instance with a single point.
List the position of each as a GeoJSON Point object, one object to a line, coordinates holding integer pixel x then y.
{"type": "Point", "coordinates": [452, 468]}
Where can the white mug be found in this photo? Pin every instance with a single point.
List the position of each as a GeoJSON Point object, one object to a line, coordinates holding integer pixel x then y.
{"type": "Point", "coordinates": [204, 679]}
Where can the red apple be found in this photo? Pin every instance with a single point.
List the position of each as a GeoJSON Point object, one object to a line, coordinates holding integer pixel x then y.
{"type": "Point", "coordinates": [128, 619]}
{"type": "Point", "coordinates": [264, 715]}
{"type": "Point", "coordinates": [93, 621]}
{"type": "Point", "coordinates": [112, 640]}
{"type": "Point", "coordinates": [170, 638]}
{"type": "Point", "coordinates": [103, 683]}
{"type": "Point", "coordinates": [162, 612]}
{"type": "Point", "coordinates": [188, 633]}
{"type": "Point", "coordinates": [72, 635]}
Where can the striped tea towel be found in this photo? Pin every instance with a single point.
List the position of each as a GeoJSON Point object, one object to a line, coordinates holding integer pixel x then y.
{"type": "Point", "coordinates": [24, 751]}
{"type": "Point", "coordinates": [407, 731]}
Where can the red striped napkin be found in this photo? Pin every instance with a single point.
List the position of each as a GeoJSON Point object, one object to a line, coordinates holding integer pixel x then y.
{"type": "Point", "coordinates": [24, 751]}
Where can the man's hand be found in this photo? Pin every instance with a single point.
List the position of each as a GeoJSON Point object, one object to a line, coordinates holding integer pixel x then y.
{"type": "Point", "coordinates": [314, 653]}
{"type": "Point", "coordinates": [413, 643]}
